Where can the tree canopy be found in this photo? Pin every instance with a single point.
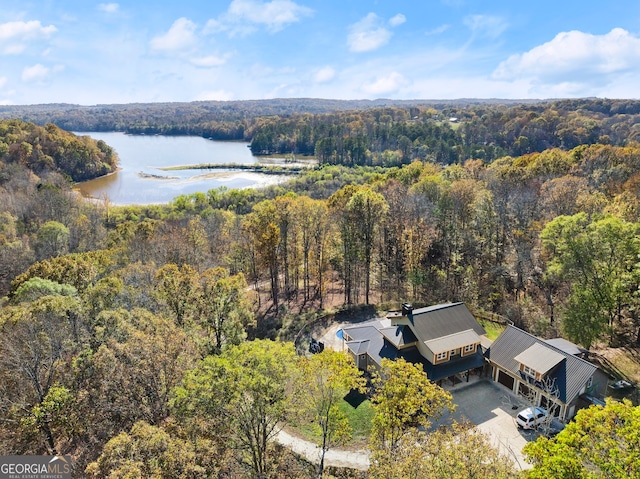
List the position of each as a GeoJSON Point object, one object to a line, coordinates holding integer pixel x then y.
{"type": "Point", "coordinates": [600, 442]}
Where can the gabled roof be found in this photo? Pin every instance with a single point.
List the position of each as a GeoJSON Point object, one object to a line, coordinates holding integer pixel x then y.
{"type": "Point", "coordinates": [453, 341]}
{"type": "Point", "coordinates": [366, 338]}
{"type": "Point", "coordinates": [540, 358]}
{"type": "Point", "coordinates": [399, 336]}
{"type": "Point", "coordinates": [379, 340]}
{"type": "Point", "coordinates": [358, 347]}
{"type": "Point", "coordinates": [443, 320]}
{"type": "Point", "coordinates": [570, 376]}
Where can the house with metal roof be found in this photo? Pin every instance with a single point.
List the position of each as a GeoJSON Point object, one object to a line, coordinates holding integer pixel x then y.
{"type": "Point", "coordinates": [547, 373]}
{"type": "Point", "coordinates": [446, 339]}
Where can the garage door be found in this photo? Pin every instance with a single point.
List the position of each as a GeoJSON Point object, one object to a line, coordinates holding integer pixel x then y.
{"type": "Point", "coordinates": [505, 379]}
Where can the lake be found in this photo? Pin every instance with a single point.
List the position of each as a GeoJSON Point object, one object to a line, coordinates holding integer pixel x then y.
{"type": "Point", "coordinates": [141, 180]}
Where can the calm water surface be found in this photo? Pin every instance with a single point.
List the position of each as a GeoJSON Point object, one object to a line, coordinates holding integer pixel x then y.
{"type": "Point", "coordinates": [141, 181]}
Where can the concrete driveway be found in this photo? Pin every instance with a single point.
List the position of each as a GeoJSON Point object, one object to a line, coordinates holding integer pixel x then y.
{"type": "Point", "coordinates": [491, 409]}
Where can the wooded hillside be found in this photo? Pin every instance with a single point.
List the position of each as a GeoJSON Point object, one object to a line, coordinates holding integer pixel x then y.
{"type": "Point", "coordinates": [115, 321]}
{"type": "Point", "coordinates": [50, 149]}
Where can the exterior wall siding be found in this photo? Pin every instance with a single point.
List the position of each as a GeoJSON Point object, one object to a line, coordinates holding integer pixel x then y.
{"type": "Point", "coordinates": [537, 394]}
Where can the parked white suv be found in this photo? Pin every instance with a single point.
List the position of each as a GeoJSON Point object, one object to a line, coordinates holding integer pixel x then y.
{"type": "Point", "coordinates": [531, 417]}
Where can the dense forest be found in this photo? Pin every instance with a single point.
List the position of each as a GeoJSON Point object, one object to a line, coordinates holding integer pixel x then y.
{"type": "Point", "coordinates": [381, 132]}
{"type": "Point", "coordinates": [123, 330]}
{"type": "Point", "coordinates": [203, 118]}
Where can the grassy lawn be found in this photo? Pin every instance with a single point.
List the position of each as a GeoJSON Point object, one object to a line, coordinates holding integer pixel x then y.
{"type": "Point", "coordinates": [359, 419]}
{"type": "Point", "coordinates": [493, 329]}
{"type": "Point", "coordinates": [628, 362]}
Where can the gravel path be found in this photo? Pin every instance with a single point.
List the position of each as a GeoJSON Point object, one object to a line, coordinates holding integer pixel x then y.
{"type": "Point", "coordinates": [333, 457]}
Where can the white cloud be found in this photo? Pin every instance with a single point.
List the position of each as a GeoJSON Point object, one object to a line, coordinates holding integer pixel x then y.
{"type": "Point", "coordinates": [576, 58]}
{"type": "Point", "coordinates": [14, 36]}
{"type": "Point", "coordinates": [209, 61]}
{"type": "Point", "coordinates": [214, 26]}
{"type": "Point", "coordinates": [180, 36]}
{"type": "Point", "coordinates": [243, 16]}
{"type": "Point", "coordinates": [36, 73]}
{"type": "Point", "coordinates": [438, 30]}
{"type": "Point", "coordinates": [109, 7]}
{"type": "Point", "coordinates": [486, 25]}
{"type": "Point", "coordinates": [398, 19]}
{"type": "Point", "coordinates": [387, 84]}
{"type": "Point", "coordinates": [324, 74]}
{"type": "Point", "coordinates": [368, 34]}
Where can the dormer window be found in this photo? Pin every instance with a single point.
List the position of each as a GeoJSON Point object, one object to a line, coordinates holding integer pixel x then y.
{"type": "Point", "coordinates": [441, 356]}
{"type": "Point", "coordinates": [538, 360]}
{"type": "Point", "coordinates": [469, 348]}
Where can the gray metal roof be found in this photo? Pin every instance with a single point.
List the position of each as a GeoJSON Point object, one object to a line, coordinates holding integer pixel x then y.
{"type": "Point", "coordinates": [358, 347]}
{"type": "Point", "coordinates": [453, 341]}
{"type": "Point", "coordinates": [399, 336]}
{"type": "Point", "coordinates": [380, 342]}
{"type": "Point", "coordinates": [442, 320]}
{"type": "Point", "coordinates": [367, 334]}
{"type": "Point", "coordinates": [362, 331]}
{"type": "Point", "coordinates": [540, 358]}
{"type": "Point", "coordinates": [570, 376]}
{"type": "Point", "coordinates": [566, 346]}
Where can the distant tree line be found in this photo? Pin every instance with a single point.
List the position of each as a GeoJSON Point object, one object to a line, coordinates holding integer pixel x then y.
{"type": "Point", "coordinates": [393, 136]}
{"type": "Point", "coordinates": [381, 132]}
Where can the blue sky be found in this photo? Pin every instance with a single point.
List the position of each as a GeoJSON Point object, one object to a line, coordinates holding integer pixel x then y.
{"type": "Point", "coordinates": [85, 52]}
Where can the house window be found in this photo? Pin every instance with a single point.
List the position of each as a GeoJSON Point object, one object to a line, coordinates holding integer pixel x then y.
{"type": "Point", "coordinates": [527, 370]}
{"type": "Point", "coordinates": [453, 352]}
{"type": "Point", "coordinates": [441, 356]}
{"type": "Point", "coordinates": [469, 348]}
{"type": "Point", "coordinates": [590, 382]}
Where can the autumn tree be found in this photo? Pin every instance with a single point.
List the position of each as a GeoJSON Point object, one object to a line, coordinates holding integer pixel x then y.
{"type": "Point", "coordinates": [403, 400]}
{"type": "Point", "coordinates": [147, 451]}
{"type": "Point", "coordinates": [176, 286]}
{"type": "Point", "coordinates": [348, 244]}
{"type": "Point", "coordinates": [599, 259]}
{"type": "Point", "coordinates": [262, 227]}
{"type": "Point", "coordinates": [359, 212]}
{"type": "Point", "coordinates": [52, 240]}
{"type": "Point", "coordinates": [313, 219]}
{"type": "Point", "coordinates": [36, 341]}
{"type": "Point", "coordinates": [288, 251]}
{"type": "Point", "coordinates": [15, 253]}
{"type": "Point", "coordinates": [327, 378]}
{"type": "Point", "coordinates": [458, 452]}
{"type": "Point", "coordinates": [245, 393]}
{"type": "Point", "coordinates": [138, 358]}
{"type": "Point", "coordinates": [35, 288]}
{"type": "Point", "coordinates": [79, 270]}
{"type": "Point", "coordinates": [599, 442]}
{"type": "Point", "coordinates": [367, 209]}
{"type": "Point", "coordinates": [222, 309]}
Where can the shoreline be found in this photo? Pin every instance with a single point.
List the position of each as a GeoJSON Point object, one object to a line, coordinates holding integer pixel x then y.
{"type": "Point", "coordinates": [261, 180]}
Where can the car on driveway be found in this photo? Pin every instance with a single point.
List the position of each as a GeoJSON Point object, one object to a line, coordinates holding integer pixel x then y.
{"type": "Point", "coordinates": [531, 417]}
